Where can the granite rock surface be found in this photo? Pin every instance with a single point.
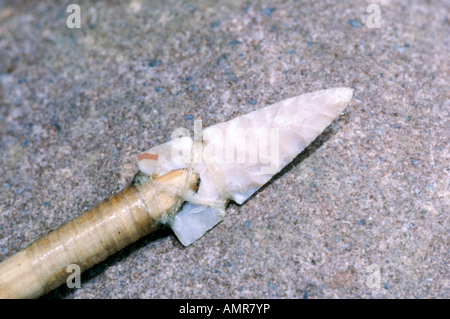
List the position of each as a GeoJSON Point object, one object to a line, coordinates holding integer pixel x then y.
{"type": "Point", "coordinates": [370, 197]}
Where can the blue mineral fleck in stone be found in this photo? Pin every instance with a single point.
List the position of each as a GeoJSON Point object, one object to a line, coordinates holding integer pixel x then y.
{"type": "Point", "coordinates": [215, 24]}
{"type": "Point", "coordinates": [268, 11]}
{"type": "Point", "coordinates": [153, 63]}
{"type": "Point", "coordinates": [272, 287]}
{"type": "Point", "coordinates": [252, 102]}
{"type": "Point", "coordinates": [355, 23]}
{"type": "Point", "coordinates": [190, 7]}
{"type": "Point", "coordinates": [399, 48]}
{"type": "Point", "coordinates": [414, 162]}
{"type": "Point", "coordinates": [189, 117]}
{"type": "Point", "coordinates": [362, 222]}
{"type": "Point", "coordinates": [56, 125]}
{"type": "Point", "coordinates": [246, 8]}
{"type": "Point", "coordinates": [222, 58]}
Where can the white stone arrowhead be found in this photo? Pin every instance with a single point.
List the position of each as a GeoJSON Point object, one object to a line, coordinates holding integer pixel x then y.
{"type": "Point", "coordinates": [235, 158]}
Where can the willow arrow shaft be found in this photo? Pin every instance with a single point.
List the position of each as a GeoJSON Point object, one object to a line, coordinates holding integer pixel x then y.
{"type": "Point", "coordinates": [94, 235]}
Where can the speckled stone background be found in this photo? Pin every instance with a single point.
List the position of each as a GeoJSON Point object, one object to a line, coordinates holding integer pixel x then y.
{"type": "Point", "coordinates": [77, 105]}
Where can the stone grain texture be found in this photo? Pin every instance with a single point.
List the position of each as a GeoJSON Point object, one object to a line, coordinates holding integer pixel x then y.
{"type": "Point", "coordinates": [372, 192]}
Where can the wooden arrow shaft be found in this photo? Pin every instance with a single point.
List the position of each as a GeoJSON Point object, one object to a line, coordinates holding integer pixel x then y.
{"type": "Point", "coordinates": [93, 236]}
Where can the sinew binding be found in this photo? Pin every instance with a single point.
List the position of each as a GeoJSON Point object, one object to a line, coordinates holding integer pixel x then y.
{"type": "Point", "coordinates": [235, 158]}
